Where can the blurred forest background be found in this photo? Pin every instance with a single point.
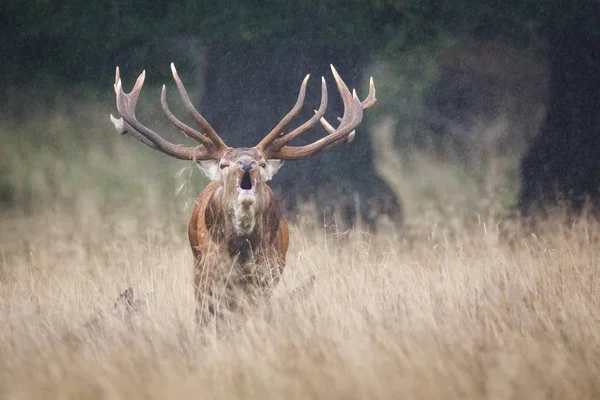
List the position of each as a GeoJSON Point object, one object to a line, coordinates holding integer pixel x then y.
{"type": "Point", "coordinates": [485, 108]}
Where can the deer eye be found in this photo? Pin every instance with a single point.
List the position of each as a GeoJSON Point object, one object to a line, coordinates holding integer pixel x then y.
{"type": "Point", "coordinates": [224, 165]}
{"type": "Point", "coordinates": [263, 165]}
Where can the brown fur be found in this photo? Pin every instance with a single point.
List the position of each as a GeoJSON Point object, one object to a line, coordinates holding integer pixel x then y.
{"type": "Point", "coordinates": [228, 265]}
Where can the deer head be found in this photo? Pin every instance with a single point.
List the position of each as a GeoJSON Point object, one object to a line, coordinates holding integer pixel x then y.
{"type": "Point", "coordinates": [242, 173]}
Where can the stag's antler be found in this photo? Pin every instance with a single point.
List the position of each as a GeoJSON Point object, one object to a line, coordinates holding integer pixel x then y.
{"type": "Point", "coordinates": [274, 144]}
{"type": "Point", "coordinates": [211, 144]}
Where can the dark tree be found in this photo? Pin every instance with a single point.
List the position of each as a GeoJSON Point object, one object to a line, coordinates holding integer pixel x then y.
{"type": "Point", "coordinates": [562, 166]}
{"type": "Point", "coordinates": [563, 163]}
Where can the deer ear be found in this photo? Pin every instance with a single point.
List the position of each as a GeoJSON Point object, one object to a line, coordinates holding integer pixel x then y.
{"type": "Point", "coordinates": [273, 166]}
{"type": "Point", "coordinates": [210, 168]}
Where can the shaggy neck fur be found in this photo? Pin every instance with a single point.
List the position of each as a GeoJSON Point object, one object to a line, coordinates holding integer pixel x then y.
{"type": "Point", "coordinates": [243, 219]}
{"type": "Point", "coordinates": [245, 230]}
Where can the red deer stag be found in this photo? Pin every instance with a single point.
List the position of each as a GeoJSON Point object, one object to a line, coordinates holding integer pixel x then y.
{"type": "Point", "coordinates": [237, 232]}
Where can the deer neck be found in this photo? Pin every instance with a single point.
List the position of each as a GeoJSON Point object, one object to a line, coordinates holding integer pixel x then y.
{"type": "Point", "coordinates": [238, 220]}
{"type": "Point", "coordinates": [221, 223]}
{"type": "Point", "coordinates": [244, 218]}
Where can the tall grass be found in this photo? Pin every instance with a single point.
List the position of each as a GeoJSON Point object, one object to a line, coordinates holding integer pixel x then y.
{"type": "Point", "coordinates": [451, 311]}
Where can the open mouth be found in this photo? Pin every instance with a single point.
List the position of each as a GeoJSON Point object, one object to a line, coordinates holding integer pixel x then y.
{"type": "Point", "coordinates": [246, 183]}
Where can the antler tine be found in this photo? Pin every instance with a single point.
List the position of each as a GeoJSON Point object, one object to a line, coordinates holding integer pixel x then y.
{"type": "Point", "coordinates": [327, 125]}
{"type": "Point", "coordinates": [370, 99]}
{"type": "Point", "coordinates": [117, 77]}
{"type": "Point", "coordinates": [366, 103]}
{"type": "Point", "coordinates": [186, 130]}
{"type": "Point", "coordinates": [128, 123]}
{"type": "Point", "coordinates": [353, 114]}
{"type": "Point", "coordinates": [283, 140]}
{"type": "Point", "coordinates": [293, 113]}
{"type": "Point", "coordinates": [210, 132]}
{"type": "Point", "coordinates": [124, 128]}
{"type": "Point", "coordinates": [331, 129]}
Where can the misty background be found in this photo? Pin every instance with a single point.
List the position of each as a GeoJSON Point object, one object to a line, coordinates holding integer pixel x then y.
{"type": "Point", "coordinates": [484, 108]}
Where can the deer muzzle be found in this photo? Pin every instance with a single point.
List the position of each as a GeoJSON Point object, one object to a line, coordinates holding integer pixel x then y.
{"type": "Point", "coordinates": [246, 182]}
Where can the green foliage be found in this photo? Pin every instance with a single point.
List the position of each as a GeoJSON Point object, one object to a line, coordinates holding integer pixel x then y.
{"type": "Point", "coordinates": [62, 154]}
{"type": "Point", "coordinates": [78, 41]}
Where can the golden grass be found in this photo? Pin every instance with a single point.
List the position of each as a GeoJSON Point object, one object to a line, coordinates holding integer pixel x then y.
{"type": "Point", "coordinates": [461, 318]}
{"type": "Point", "coordinates": [444, 309]}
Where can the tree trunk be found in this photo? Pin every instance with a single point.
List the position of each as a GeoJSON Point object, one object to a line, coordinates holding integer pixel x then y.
{"type": "Point", "coordinates": [250, 87]}
{"type": "Point", "coordinates": [562, 166]}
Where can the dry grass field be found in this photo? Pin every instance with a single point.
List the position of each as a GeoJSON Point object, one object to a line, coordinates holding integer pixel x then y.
{"type": "Point", "coordinates": [441, 310]}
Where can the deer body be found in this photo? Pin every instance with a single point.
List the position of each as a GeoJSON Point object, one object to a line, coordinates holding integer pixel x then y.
{"type": "Point", "coordinates": [237, 232]}
{"type": "Point", "coordinates": [226, 260]}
